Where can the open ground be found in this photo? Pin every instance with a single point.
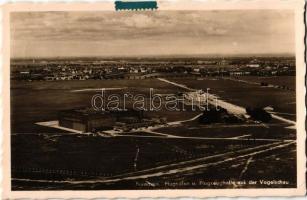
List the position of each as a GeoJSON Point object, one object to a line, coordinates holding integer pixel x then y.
{"type": "Point", "coordinates": [151, 158]}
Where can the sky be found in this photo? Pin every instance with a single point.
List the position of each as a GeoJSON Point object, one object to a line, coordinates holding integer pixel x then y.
{"type": "Point", "coordinates": [151, 33]}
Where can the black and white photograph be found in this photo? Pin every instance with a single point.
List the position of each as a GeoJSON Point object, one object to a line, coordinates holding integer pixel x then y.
{"type": "Point", "coordinates": [153, 100]}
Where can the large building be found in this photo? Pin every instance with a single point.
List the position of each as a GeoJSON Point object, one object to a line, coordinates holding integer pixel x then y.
{"type": "Point", "coordinates": [89, 120]}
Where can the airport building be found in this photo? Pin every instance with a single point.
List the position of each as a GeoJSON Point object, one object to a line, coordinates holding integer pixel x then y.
{"type": "Point", "coordinates": [89, 120]}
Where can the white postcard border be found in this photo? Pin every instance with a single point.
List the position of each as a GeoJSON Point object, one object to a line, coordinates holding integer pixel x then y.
{"type": "Point", "coordinates": [297, 5]}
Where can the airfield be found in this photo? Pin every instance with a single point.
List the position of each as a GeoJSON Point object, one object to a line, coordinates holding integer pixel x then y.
{"type": "Point", "coordinates": [181, 154]}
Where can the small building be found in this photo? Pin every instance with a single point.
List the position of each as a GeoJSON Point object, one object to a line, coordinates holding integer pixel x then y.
{"type": "Point", "coordinates": [253, 65]}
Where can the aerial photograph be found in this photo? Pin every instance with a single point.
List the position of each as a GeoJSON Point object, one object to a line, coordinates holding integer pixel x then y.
{"type": "Point", "coordinates": [148, 100]}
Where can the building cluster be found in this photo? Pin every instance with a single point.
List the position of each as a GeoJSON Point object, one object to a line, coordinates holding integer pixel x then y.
{"type": "Point", "coordinates": [90, 120]}
{"type": "Point", "coordinates": [72, 70]}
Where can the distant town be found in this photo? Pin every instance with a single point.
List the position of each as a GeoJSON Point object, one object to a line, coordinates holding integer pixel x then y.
{"type": "Point", "coordinates": [99, 69]}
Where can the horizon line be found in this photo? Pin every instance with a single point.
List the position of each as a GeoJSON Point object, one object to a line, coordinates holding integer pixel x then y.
{"type": "Point", "coordinates": [160, 56]}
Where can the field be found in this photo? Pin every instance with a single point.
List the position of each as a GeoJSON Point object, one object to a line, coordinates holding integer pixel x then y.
{"type": "Point", "coordinates": [288, 81]}
{"type": "Point", "coordinates": [32, 102]}
{"type": "Point", "coordinates": [250, 95]}
{"type": "Point", "coordinates": [182, 155]}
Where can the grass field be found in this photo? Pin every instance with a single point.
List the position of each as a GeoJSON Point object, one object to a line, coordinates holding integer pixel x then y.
{"type": "Point", "coordinates": [248, 95]}
{"type": "Point", "coordinates": [272, 131]}
{"type": "Point", "coordinates": [40, 101]}
{"type": "Point", "coordinates": [288, 81]}
{"type": "Point", "coordinates": [89, 158]}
